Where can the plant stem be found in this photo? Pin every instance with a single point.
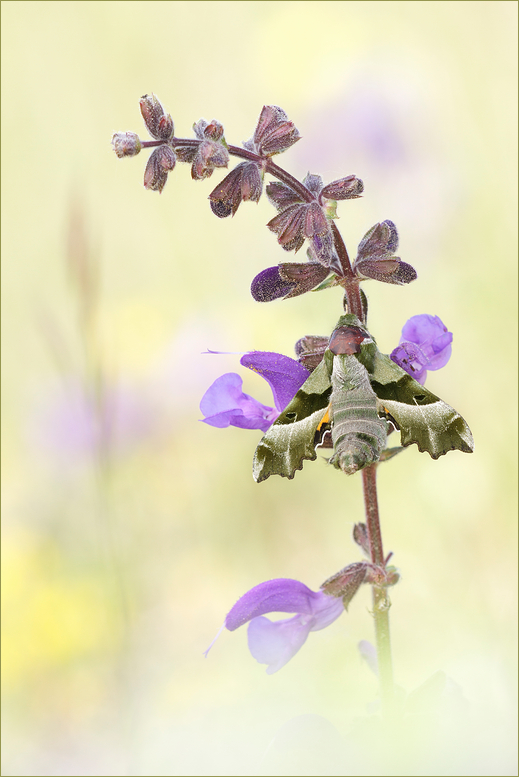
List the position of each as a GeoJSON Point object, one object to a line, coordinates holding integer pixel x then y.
{"type": "Point", "coordinates": [268, 165]}
{"type": "Point", "coordinates": [381, 602]}
{"type": "Point", "coordinates": [349, 281]}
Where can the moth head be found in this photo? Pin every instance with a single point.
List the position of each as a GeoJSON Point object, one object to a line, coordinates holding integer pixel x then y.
{"type": "Point", "coordinates": [348, 340]}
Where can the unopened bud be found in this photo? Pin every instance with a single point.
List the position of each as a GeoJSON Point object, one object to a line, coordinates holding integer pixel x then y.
{"type": "Point", "coordinates": [360, 536]}
{"type": "Point", "coordinates": [348, 188]}
{"type": "Point", "coordinates": [126, 144]}
{"type": "Point", "coordinates": [347, 582]}
{"type": "Point", "coordinates": [166, 157]}
{"type": "Point", "coordinates": [273, 133]}
{"type": "Point", "coordinates": [214, 130]}
{"type": "Point", "coordinates": [155, 175]}
{"type": "Point", "coordinates": [159, 125]}
{"type": "Point", "coordinates": [166, 127]}
{"type": "Point", "coordinates": [242, 183]}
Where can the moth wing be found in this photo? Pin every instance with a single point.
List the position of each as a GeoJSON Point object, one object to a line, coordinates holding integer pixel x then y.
{"type": "Point", "coordinates": [421, 416]}
{"type": "Point", "coordinates": [291, 438]}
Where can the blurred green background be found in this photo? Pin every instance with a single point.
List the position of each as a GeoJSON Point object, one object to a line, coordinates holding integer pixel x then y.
{"type": "Point", "coordinates": [123, 553]}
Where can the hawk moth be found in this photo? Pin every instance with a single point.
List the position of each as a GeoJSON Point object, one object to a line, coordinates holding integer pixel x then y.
{"type": "Point", "coordinates": [356, 390]}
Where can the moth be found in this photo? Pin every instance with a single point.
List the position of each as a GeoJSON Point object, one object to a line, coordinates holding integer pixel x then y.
{"type": "Point", "coordinates": [358, 393]}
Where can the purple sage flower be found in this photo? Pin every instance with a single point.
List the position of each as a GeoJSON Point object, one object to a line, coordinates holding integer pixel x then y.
{"type": "Point", "coordinates": [425, 344]}
{"type": "Point", "coordinates": [225, 404]}
{"type": "Point", "coordinates": [275, 643]}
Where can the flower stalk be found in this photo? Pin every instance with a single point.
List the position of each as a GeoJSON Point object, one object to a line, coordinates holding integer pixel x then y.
{"type": "Point", "coordinates": [381, 603]}
{"type": "Point", "coordinates": [339, 393]}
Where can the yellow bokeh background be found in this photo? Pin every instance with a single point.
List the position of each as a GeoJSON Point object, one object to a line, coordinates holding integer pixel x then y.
{"type": "Point", "coordinates": [120, 562]}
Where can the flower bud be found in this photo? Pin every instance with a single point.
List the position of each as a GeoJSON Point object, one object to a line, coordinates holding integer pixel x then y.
{"type": "Point", "coordinates": [159, 125]}
{"type": "Point", "coordinates": [347, 582]}
{"type": "Point", "coordinates": [273, 133]}
{"type": "Point", "coordinates": [288, 225]}
{"type": "Point", "coordinates": [287, 280]}
{"type": "Point", "coordinates": [126, 144]}
{"type": "Point", "coordinates": [166, 157]}
{"type": "Point", "coordinates": [155, 174]}
{"type": "Point", "coordinates": [348, 188]}
{"type": "Point", "coordinates": [313, 183]}
{"type": "Point", "coordinates": [375, 256]}
{"type": "Point", "coordinates": [310, 350]}
{"type": "Point", "coordinates": [360, 535]}
{"type": "Point", "coordinates": [242, 183]}
{"type": "Point", "coordinates": [281, 196]}
{"type": "Point", "coordinates": [268, 285]}
{"type": "Point", "coordinates": [211, 131]}
{"type": "Point", "coordinates": [166, 127]}
{"type": "Point", "coordinates": [210, 154]}
{"type": "Point", "coordinates": [186, 153]}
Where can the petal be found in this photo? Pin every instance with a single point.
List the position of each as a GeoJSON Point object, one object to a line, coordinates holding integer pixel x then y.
{"type": "Point", "coordinates": [326, 610]}
{"type": "Point", "coordinates": [268, 285]}
{"type": "Point", "coordinates": [431, 334]}
{"type": "Point", "coordinates": [369, 654]}
{"type": "Point", "coordinates": [222, 395]}
{"type": "Point", "coordinates": [439, 351]}
{"type": "Point", "coordinates": [411, 358]}
{"type": "Point", "coordinates": [284, 375]}
{"type": "Point", "coordinates": [422, 328]}
{"type": "Point", "coordinates": [279, 595]}
{"type": "Point", "coordinates": [276, 643]}
{"type": "Point", "coordinates": [224, 404]}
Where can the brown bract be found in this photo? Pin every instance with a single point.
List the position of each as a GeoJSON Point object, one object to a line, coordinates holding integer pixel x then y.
{"type": "Point", "coordinates": [161, 161]}
{"type": "Point", "coordinates": [274, 133]}
{"type": "Point", "coordinates": [242, 183]}
{"type": "Point", "coordinates": [158, 123]}
{"type": "Point", "coordinates": [126, 144]}
{"type": "Point", "coordinates": [348, 188]}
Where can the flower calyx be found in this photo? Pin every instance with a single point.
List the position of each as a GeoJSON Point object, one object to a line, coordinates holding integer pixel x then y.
{"type": "Point", "coordinates": [274, 133]}
{"type": "Point", "coordinates": [209, 154]}
{"type": "Point", "coordinates": [375, 256]}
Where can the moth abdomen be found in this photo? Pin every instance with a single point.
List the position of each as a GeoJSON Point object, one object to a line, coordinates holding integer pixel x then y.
{"type": "Point", "coordinates": [358, 433]}
{"type": "Point", "coordinates": [353, 455]}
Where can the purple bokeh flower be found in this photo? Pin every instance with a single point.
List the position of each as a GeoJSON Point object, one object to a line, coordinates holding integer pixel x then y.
{"type": "Point", "coordinates": [275, 643]}
{"type": "Point", "coordinates": [225, 404]}
{"type": "Point", "coordinates": [425, 344]}
{"type": "Point", "coordinates": [76, 424]}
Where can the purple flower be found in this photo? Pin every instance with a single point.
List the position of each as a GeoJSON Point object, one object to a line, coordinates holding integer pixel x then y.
{"type": "Point", "coordinates": [275, 643]}
{"type": "Point", "coordinates": [75, 425]}
{"type": "Point", "coordinates": [425, 345]}
{"type": "Point", "coordinates": [225, 404]}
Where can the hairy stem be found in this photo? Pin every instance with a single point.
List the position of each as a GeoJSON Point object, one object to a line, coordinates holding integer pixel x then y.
{"type": "Point", "coordinates": [381, 602]}
{"type": "Point", "coordinates": [266, 162]}
{"type": "Point", "coordinates": [349, 281]}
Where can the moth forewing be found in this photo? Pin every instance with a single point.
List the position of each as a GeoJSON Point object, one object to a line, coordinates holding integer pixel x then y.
{"type": "Point", "coordinates": [358, 432]}
{"type": "Point", "coordinates": [421, 416]}
{"type": "Point", "coordinates": [291, 439]}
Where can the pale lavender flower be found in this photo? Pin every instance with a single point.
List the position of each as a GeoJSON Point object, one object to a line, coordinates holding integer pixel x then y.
{"type": "Point", "coordinates": [225, 404]}
{"type": "Point", "coordinates": [275, 643]}
{"type": "Point", "coordinates": [425, 344]}
{"type": "Point", "coordinates": [76, 425]}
